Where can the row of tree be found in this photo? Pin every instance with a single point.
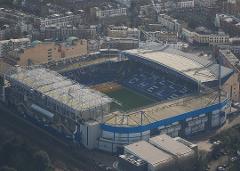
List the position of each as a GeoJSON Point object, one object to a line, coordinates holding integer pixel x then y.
{"type": "Point", "coordinates": [230, 144]}
{"type": "Point", "coordinates": [16, 154]}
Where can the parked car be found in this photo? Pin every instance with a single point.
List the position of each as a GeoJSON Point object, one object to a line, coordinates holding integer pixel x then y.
{"type": "Point", "coordinates": [220, 168]}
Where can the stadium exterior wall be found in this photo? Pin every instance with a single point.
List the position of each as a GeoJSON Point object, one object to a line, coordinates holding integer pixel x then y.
{"type": "Point", "coordinates": [168, 121]}
{"type": "Point", "coordinates": [113, 138]}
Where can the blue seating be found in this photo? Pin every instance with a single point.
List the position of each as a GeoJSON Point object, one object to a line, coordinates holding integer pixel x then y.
{"type": "Point", "coordinates": [158, 84]}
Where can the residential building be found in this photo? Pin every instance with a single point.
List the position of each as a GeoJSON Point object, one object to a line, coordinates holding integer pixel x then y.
{"type": "Point", "coordinates": [185, 4]}
{"type": "Point", "coordinates": [4, 32]}
{"type": "Point", "coordinates": [109, 12]}
{"type": "Point", "coordinates": [164, 36]}
{"type": "Point", "coordinates": [120, 43]}
{"type": "Point", "coordinates": [63, 32]}
{"type": "Point", "coordinates": [11, 44]}
{"type": "Point", "coordinates": [48, 52]}
{"type": "Point", "coordinates": [17, 20]}
{"type": "Point", "coordinates": [15, 15]}
{"type": "Point", "coordinates": [122, 31]}
{"type": "Point", "coordinates": [206, 3]}
{"type": "Point", "coordinates": [146, 10]}
{"type": "Point", "coordinates": [93, 46]}
{"type": "Point", "coordinates": [195, 37]}
{"type": "Point", "coordinates": [229, 60]}
{"type": "Point", "coordinates": [61, 19]}
{"type": "Point", "coordinates": [230, 24]}
{"type": "Point", "coordinates": [233, 46]}
{"type": "Point", "coordinates": [169, 23]}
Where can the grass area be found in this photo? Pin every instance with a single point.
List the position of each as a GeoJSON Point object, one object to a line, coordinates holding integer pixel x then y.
{"type": "Point", "coordinates": [128, 99]}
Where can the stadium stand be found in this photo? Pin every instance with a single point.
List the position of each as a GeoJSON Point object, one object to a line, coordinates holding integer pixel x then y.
{"type": "Point", "coordinates": [158, 84]}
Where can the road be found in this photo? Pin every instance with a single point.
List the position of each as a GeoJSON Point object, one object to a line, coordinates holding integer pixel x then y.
{"type": "Point", "coordinates": [57, 149]}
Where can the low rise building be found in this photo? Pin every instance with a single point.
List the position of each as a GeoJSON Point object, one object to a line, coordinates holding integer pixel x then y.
{"type": "Point", "coordinates": [185, 4]}
{"type": "Point", "coordinates": [4, 32]}
{"type": "Point", "coordinates": [108, 12]}
{"type": "Point", "coordinates": [196, 37]}
{"type": "Point", "coordinates": [18, 19]}
{"type": "Point", "coordinates": [11, 44]}
{"type": "Point", "coordinates": [170, 23]}
{"type": "Point", "coordinates": [164, 36]}
{"type": "Point", "coordinates": [156, 159]}
{"type": "Point", "coordinates": [229, 60]}
{"type": "Point", "coordinates": [161, 153]}
{"type": "Point", "coordinates": [61, 19]}
{"type": "Point", "coordinates": [48, 52]}
{"type": "Point", "coordinates": [206, 3]}
{"type": "Point", "coordinates": [15, 15]}
{"type": "Point", "coordinates": [228, 23]}
{"type": "Point", "coordinates": [233, 47]}
{"type": "Point", "coordinates": [63, 32]}
{"type": "Point", "coordinates": [146, 10]}
{"type": "Point", "coordinates": [122, 31]}
{"type": "Point", "coordinates": [120, 43]}
{"type": "Point", "coordinates": [184, 155]}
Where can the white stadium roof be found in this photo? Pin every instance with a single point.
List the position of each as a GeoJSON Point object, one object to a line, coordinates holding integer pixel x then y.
{"type": "Point", "coordinates": [51, 84]}
{"type": "Point", "coordinates": [202, 71]}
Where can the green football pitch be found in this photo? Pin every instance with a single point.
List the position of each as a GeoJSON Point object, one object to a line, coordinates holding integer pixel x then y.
{"type": "Point", "coordinates": [127, 99]}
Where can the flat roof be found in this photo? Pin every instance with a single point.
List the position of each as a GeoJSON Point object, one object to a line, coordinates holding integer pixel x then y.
{"type": "Point", "coordinates": [15, 40]}
{"type": "Point", "coordinates": [50, 83]}
{"type": "Point", "coordinates": [170, 145]}
{"type": "Point", "coordinates": [149, 153]}
{"type": "Point", "coordinates": [229, 56]}
{"type": "Point", "coordinates": [199, 71]}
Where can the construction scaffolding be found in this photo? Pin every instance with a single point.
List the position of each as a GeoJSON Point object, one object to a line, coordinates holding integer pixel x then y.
{"type": "Point", "coordinates": [64, 93]}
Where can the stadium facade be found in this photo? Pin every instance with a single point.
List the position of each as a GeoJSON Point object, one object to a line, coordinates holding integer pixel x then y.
{"type": "Point", "coordinates": [185, 90]}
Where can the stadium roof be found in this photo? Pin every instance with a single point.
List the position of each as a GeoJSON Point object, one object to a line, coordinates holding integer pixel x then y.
{"type": "Point", "coordinates": [149, 153]}
{"type": "Point", "coordinates": [51, 84]}
{"type": "Point", "coordinates": [163, 110]}
{"type": "Point", "coordinates": [200, 70]}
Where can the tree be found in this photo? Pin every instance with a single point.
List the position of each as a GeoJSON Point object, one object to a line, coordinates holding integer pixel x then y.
{"type": "Point", "coordinates": [201, 163]}
{"type": "Point", "coordinates": [234, 166]}
{"type": "Point", "coordinates": [42, 161]}
{"type": "Point", "coordinates": [6, 168]}
{"type": "Point", "coordinates": [133, 13]}
{"type": "Point", "coordinates": [6, 2]}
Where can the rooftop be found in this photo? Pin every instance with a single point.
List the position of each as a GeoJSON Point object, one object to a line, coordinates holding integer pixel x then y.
{"type": "Point", "coordinates": [230, 57]}
{"type": "Point", "coordinates": [229, 18]}
{"type": "Point", "coordinates": [202, 71]}
{"type": "Point", "coordinates": [163, 110]}
{"type": "Point", "coordinates": [149, 153]}
{"type": "Point", "coordinates": [170, 145]}
{"type": "Point", "coordinates": [15, 40]}
{"type": "Point", "coordinates": [50, 83]}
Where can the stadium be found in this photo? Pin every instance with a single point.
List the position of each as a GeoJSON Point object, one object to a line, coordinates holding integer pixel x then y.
{"type": "Point", "coordinates": [130, 96]}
